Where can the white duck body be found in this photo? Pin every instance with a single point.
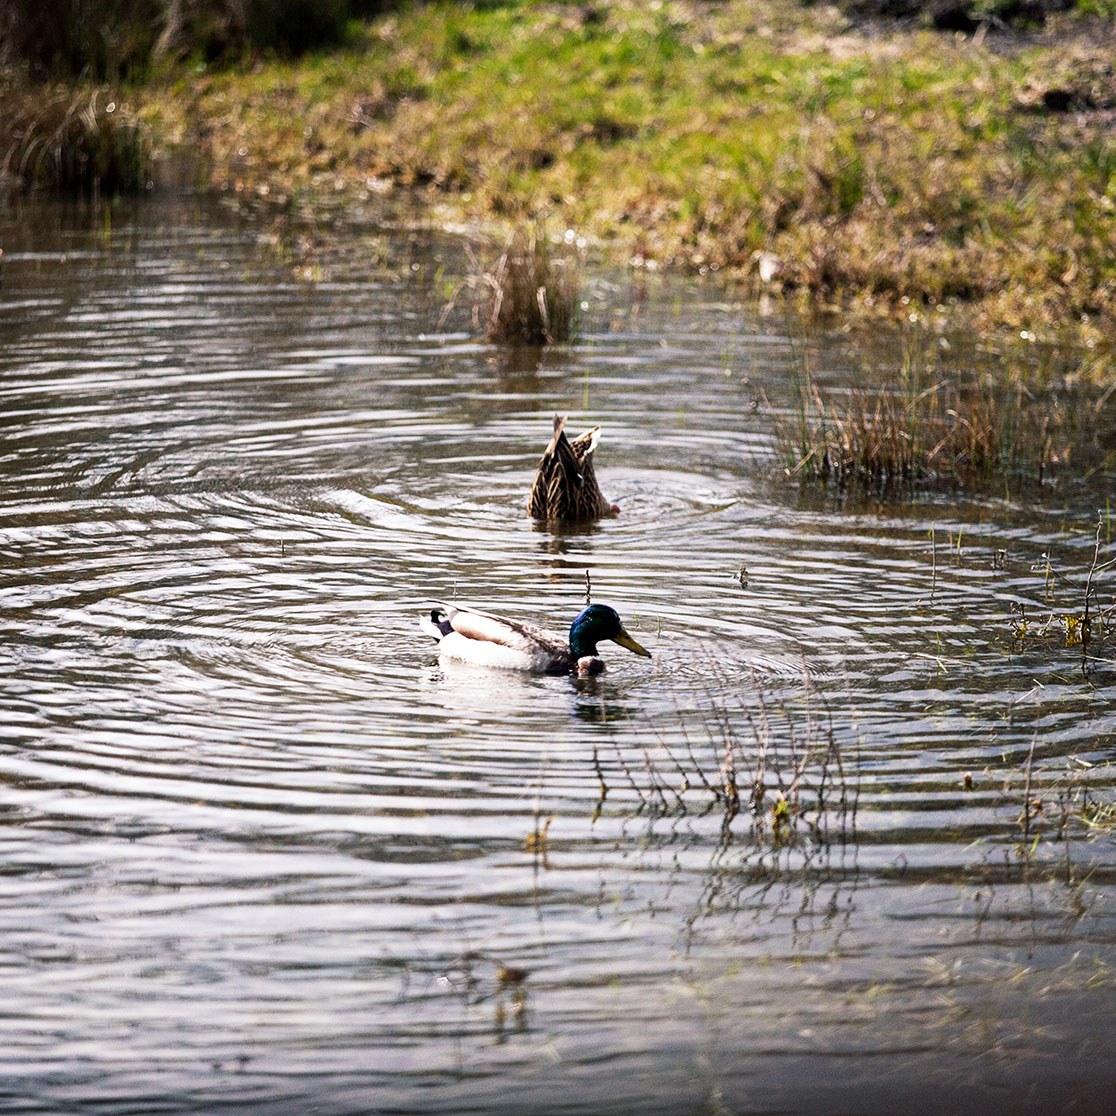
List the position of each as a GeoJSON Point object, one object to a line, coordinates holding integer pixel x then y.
{"type": "Point", "coordinates": [479, 637]}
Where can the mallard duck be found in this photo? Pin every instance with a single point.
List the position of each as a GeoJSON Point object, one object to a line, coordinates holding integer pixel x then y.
{"type": "Point", "coordinates": [478, 637]}
{"type": "Point", "coordinates": [565, 488]}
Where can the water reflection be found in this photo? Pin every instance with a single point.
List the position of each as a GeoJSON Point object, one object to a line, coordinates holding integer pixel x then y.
{"type": "Point", "coordinates": [237, 786]}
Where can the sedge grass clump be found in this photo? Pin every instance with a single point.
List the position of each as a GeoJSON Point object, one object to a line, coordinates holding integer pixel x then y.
{"type": "Point", "coordinates": [73, 140]}
{"type": "Point", "coordinates": [885, 441]}
{"type": "Point", "coordinates": [531, 294]}
{"type": "Point", "coordinates": [962, 432]}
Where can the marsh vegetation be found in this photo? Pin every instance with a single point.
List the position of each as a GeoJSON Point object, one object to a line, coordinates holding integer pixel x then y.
{"type": "Point", "coordinates": [525, 291]}
{"type": "Point", "coordinates": [734, 749]}
{"type": "Point", "coordinates": [930, 424]}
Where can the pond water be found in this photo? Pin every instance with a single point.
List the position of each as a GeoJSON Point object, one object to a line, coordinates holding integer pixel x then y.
{"type": "Point", "coordinates": [262, 852]}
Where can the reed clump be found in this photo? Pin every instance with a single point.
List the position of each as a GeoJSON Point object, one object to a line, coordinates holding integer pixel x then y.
{"type": "Point", "coordinates": [73, 140]}
{"type": "Point", "coordinates": [531, 294]}
{"type": "Point", "coordinates": [960, 432]}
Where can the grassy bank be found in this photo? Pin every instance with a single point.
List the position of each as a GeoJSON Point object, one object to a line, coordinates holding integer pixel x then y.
{"type": "Point", "coordinates": [887, 166]}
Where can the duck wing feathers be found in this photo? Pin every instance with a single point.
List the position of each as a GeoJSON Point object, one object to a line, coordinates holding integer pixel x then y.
{"type": "Point", "coordinates": [473, 634]}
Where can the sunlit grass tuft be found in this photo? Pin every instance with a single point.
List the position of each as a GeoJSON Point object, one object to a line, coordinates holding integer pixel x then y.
{"type": "Point", "coordinates": [530, 294]}
{"type": "Point", "coordinates": [1099, 816]}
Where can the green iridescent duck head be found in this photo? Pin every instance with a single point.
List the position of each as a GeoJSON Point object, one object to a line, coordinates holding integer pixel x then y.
{"type": "Point", "coordinates": [599, 622]}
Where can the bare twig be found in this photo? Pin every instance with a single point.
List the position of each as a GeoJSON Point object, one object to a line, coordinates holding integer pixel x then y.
{"type": "Point", "coordinates": [1085, 618]}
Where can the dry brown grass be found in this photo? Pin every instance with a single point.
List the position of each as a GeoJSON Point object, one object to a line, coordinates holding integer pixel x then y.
{"type": "Point", "coordinates": [530, 295]}
{"type": "Point", "coordinates": [967, 432]}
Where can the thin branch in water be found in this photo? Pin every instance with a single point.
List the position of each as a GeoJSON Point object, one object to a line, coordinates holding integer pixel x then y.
{"type": "Point", "coordinates": [1085, 618]}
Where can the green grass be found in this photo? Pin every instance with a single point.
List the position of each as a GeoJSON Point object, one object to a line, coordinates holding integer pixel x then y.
{"type": "Point", "coordinates": [894, 170]}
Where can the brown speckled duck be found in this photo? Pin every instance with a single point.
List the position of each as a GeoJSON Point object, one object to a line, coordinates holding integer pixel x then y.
{"type": "Point", "coordinates": [565, 488]}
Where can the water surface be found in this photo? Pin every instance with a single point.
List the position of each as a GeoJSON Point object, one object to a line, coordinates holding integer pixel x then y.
{"type": "Point", "coordinates": [263, 853]}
